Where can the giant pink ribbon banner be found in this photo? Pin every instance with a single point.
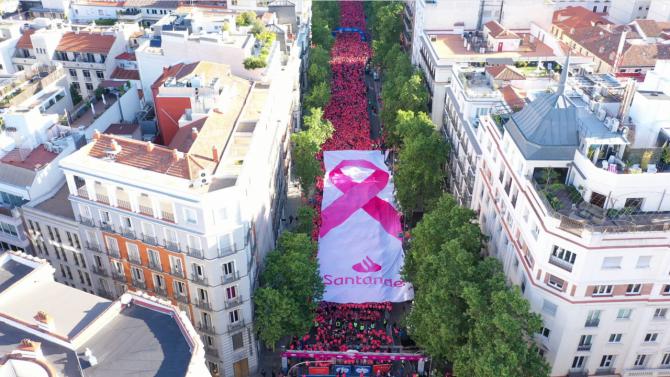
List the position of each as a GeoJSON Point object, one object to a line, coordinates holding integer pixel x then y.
{"type": "Point", "coordinates": [374, 356]}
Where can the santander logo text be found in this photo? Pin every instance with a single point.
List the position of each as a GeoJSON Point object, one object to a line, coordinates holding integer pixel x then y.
{"type": "Point", "coordinates": [367, 265]}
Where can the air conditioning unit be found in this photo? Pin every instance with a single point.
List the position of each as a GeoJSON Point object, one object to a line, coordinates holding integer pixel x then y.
{"type": "Point", "coordinates": [203, 179]}
{"type": "Point", "coordinates": [614, 125]}
{"type": "Point", "coordinates": [601, 114]}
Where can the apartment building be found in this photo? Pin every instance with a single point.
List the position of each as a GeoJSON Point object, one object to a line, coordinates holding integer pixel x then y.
{"type": "Point", "coordinates": [627, 50]}
{"type": "Point", "coordinates": [50, 329]}
{"type": "Point", "coordinates": [142, 12]}
{"type": "Point", "coordinates": [88, 56]}
{"type": "Point", "coordinates": [571, 193]}
{"type": "Point", "coordinates": [37, 45]}
{"type": "Point", "coordinates": [191, 220]}
{"type": "Point", "coordinates": [439, 51]}
{"type": "Point", "coordinates": [54, 235]}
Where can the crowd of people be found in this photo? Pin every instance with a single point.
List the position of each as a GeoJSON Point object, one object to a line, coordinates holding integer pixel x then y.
{"type": "Point", "coordinates": [340, 327]}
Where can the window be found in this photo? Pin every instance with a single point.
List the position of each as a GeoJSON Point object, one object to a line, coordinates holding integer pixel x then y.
{"type": "Point", "coordinates": [549, 308]}
{"type": "Point", "coordinates": [607, 361]}
{"type": "Point", "coordinates": [593, 318]}
{"type": "Point", "coordinates": [585, 342]}
{"type": "Point", "coordinates": [133, 252]}
{"type": "Point", "coordinates": [180, 287]}
{"type": "Point", "coordinates": [611, 263]}
{"type": "Point", "coordinates": [602, 290]}
{"type": "Point", "coordinates": [73, 72]}
{"type": "Point", "coordinates": [660, 313]}
{"type": "Point", "coordinates": [545, 332]}
{"type": "Point", "coordinates": [198, 270]}
{"type": "Point", "coordinates": [640, 360]}
{"type": "Point", "coordinates": [615, 338]}
{"type": "Point", "coordinates": [666, 289]}
{"type": "Point", "coordinates": [556, 282]}
{"type": "Point", "coordinates": [651, 337]}
{"type": "Point", "coordinates": [112, 244]}
{"type": "Point", "coordinates": [665, 361]}
{"type": "Point", "coordinates": [86, 73]}
{"type": "Point", "coordinates": [190, 216]}
{"type": "Point", "coordinates": [137, 274]}
{"type": "Point", "coordinates": [565, 256]}
{"type": "Point", "coordinates": [100, 74]}
{"type": "Point", "coordinates": [154, 259]}
{"type": "Point", "coordinates": [159, 281]}
{"type": "Point", "coordinates": [578, 362]}
{"type": "Point", "coordinates": [633, 289]}
{"type": "Point", "coordinates": [76, 86]}
{"type": "Point", "coordinates": [229, 268]}
{"type": "Point", "coordinates": [231, 292]}
{"type": "Point", "coordinates": [624, 313]}
{"type": "Point", "coordinates": [643, 261]}
{"type": "Point", "coordinates": [234, 315]}
{"type": "Point", "coordinates": [89, 86]}
{"type": "Point", "coordinates": [238, 340]}
{"type": "Point", "coordinates": [202, 295]}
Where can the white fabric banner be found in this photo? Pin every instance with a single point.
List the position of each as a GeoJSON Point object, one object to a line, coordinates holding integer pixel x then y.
{"type": "Point", "coordinates": [360, 244]}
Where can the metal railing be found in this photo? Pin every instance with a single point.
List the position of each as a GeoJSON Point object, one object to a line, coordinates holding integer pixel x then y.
{"type": "Point", "coordinates": [114, 253]}
{"type": "Point", "coordinates": [584, 347]}
{"type": "Point", "coordinates": [118, 276]}
{"type": "Point", "coordinates": [558, 262]}
{"type": "Point", "coordinates": [181, 298]}
{"type": "Point", "coordinates": [155, 265]}
{"type": "Point", "coordinates": [162, 291]}
{"type": "Point", "coordinates": [236, 325]}
{"type": "Point", "coordinates": [128, 233]}
{"type": "Point", "coordinates": [167, 216]}
{"type": "Point", "coordinates": [124, 204]}
{"type": "Point", "coordinates": [177, 272]}
{"type": "Point", "coordinates": [139, 284]}
{"type": "Point", "coordinates": [592, 322]}
{"type": "Point", "coordinates": [233, 302]}
{"type": "Point", "coordinates": [173, 246]}
{"type": "Point", "coordinates": [82, 192]}
{"type": "Point", "coordinates": [202, 280]}
{"type": "Point", "coordinates": [99, 270]}
{"type": "Point", "coordinates": [202, 304]}
{"type": "Point", "coordinates": [87, 221]}
{"type": "Point", "coordinates": [211, 351]}
{"type": "Point", "coordinates": [194, 252]}
{"type": "Point", "coordinates": [152, 240]}
{"type": "Point", "coordinates": [229, 278]}
{"type": "Point", "coordinates": [148, 211]}
{"type": "Point", "coordinates": [206, 327]}
{"type": "Point", "coordinates": [93, 247]}
{"type": "Point", "coordinates": [135, 259]}
{"type": "Point", "coordinates": [102, 198]}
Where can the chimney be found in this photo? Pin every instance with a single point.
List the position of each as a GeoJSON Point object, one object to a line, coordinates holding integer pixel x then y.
{"type": "Point", "coordinates": [96, 135]}
{"type": "Point", "coordinates": [150, 146]}
{"type": "Point", "coordinates": [45, 321]}
{"type": "Point", "coordinates": [176, 155]}
{"type": "Point", "coordinates": [215, 153]}
{"type": "Point", "coordinates": [194, 133]}
{"type": "Point", "coordinates": [29, 348]}
{"type": "Point", "coordinates": [619, 50]}
{"type": "Point", "coordinates": [115, 146]}
{"type": "Point", "coordinates": [88, 356]}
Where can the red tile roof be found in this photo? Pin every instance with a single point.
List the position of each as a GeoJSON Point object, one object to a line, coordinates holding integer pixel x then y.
{"type": "Point", "coordinates": [122, 128]}
{"type": "Point", "coordinates": [512, 98]}
{"type": "Point", "coordinates": [504, 72]}
{"type": "Point", "coordinates": [86, 42]}
{"type": "Point", "coordinates": [130, 56]}
{"type": "Point", "coordinates": [577, 17]}
{"type": "Point", "coordinates": [24, 40]}
{"type": "Point", "coordinates": [125, 74]}
{"type": "Point", "coordinates": [35, 160]}
{"type": "Point", "coordinates": [497, 31]}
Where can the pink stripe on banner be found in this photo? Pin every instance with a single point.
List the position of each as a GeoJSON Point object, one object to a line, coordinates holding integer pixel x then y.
{"type": "Point", "coordinates": [376, 356]}
{"type": "Point", "coordinates": [361, 195]}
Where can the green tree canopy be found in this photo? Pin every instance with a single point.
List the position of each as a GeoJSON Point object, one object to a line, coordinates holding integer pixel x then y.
{"type": "Point", "coordinates": [386, 28]}
{"type": "Point", "coordinates": [305, 216]}
{"type": "Point", "coordinates": [307, 144]}
{"type": "Point", "coordinates": [291, 287]}
{"type": "Point", "coordinates": [318, 96]}
{"type": "Point", "coordinates": [420, 172]}
{"type": "Point", "coordinates": [245, 19]}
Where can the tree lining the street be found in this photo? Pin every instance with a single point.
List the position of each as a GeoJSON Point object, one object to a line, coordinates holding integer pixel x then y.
{"type": "Point", "coordinates": [306, 145]}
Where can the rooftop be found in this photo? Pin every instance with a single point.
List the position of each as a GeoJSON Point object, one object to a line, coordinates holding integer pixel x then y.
{"type": "Point", "coordinates": [451, 47]}
{"type": "Point", "coordinates": [577, 17]}
{"type": "Point", "coordinates": [84, 41]}
{"type": "Point", "coordinates": [498, 31]}
{"type": "Point", "coordinates": [35, 160]}
{"type": "Point", "coordinates": [25, 41]}
{"type": "Point", "coordinates": [122, 128]}
{"type": "Point", "coordinates": [125, 74]}
{"type": "Point", "coordinates": [134, 336]}
{"type": "Point", "coordinates": [130, 56]}
{"type": "Point", "coordinates": [58, 204]}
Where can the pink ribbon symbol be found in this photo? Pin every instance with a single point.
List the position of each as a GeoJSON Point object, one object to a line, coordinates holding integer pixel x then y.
{"type": "Point", "coordinates": [360, 195]}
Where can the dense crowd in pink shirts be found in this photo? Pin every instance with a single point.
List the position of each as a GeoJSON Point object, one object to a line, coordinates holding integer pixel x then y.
{"type": "Point", "coordinates": [339, 327]}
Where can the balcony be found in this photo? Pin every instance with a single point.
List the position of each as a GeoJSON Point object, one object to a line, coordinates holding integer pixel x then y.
{"type": "Point", "coordinates": [202, 280]}
{"type": "Point", "coordinates": [139, 284]}
{"type": "Point", "coordinates": [226, 251]}
{"type": "Point", "coordinates": [207, 328]}
{"type": "Point", "coordinates": [128, 233]}
{"type": "Point", "coordinates": [584, 347]}
{"type": "Point", "coordinates": [114, 253]}
{"type": "Point", "coordinates": [135, 259]}
{"type": "Point", "coordinates": [195, 252]}
{"type": "Point", "coordinates": [558, 262]}
{"type": "Point", "coordinates": [167, 216]}
{"type": "Point", "coordinates": [93, 247]}
{"type": "Point", "coordinates": [211, 351]}
{"type": "Point", "coordinates": [202, 304]}
{"type": "Point", "coordinates": [82, 192]}
{"type": "Point", "coordinates": [87, 221]}
{"type": "Point", "coordinates": [155, 265]}
{"type": "Point", "coordinates": [118, 276]}
{"type": "Point", "coordinates": [236, 326]}
{"type": "Point", "coordinates": [124, 204]}
{"type": "Point", "coordinates": [229, 278]}
{"type": "Point", "coordinates": [178, 272]}
{"type": "Point", "coordinates": [147, 211]}
{"type": "Point", "coordinates": [150, 239]}
{"type": "Point", "coordinates": [578, 372]}
{"type": "Point", "coordinates": [107, 227]}
{"type": "Point", "coordinates": [161, 291]}
{"type": "Point", "coordinates": [605, 371]}
{"type": "Point", "coordinates": [181, 298]}
{"type": "Point", "coordinates": [172, 246]}
{"type": "Point", "coordinates": [102, 198]}
{"type": "Point", "coordinates": [99, 270]}
{"type": "Point", "coordinates": [233, 302]}
{"type": "Point", "coordinates": [104, 293]}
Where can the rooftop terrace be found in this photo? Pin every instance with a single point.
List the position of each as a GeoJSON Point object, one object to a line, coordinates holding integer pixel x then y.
{"type": "Point", "coordinates": [452, 47]}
